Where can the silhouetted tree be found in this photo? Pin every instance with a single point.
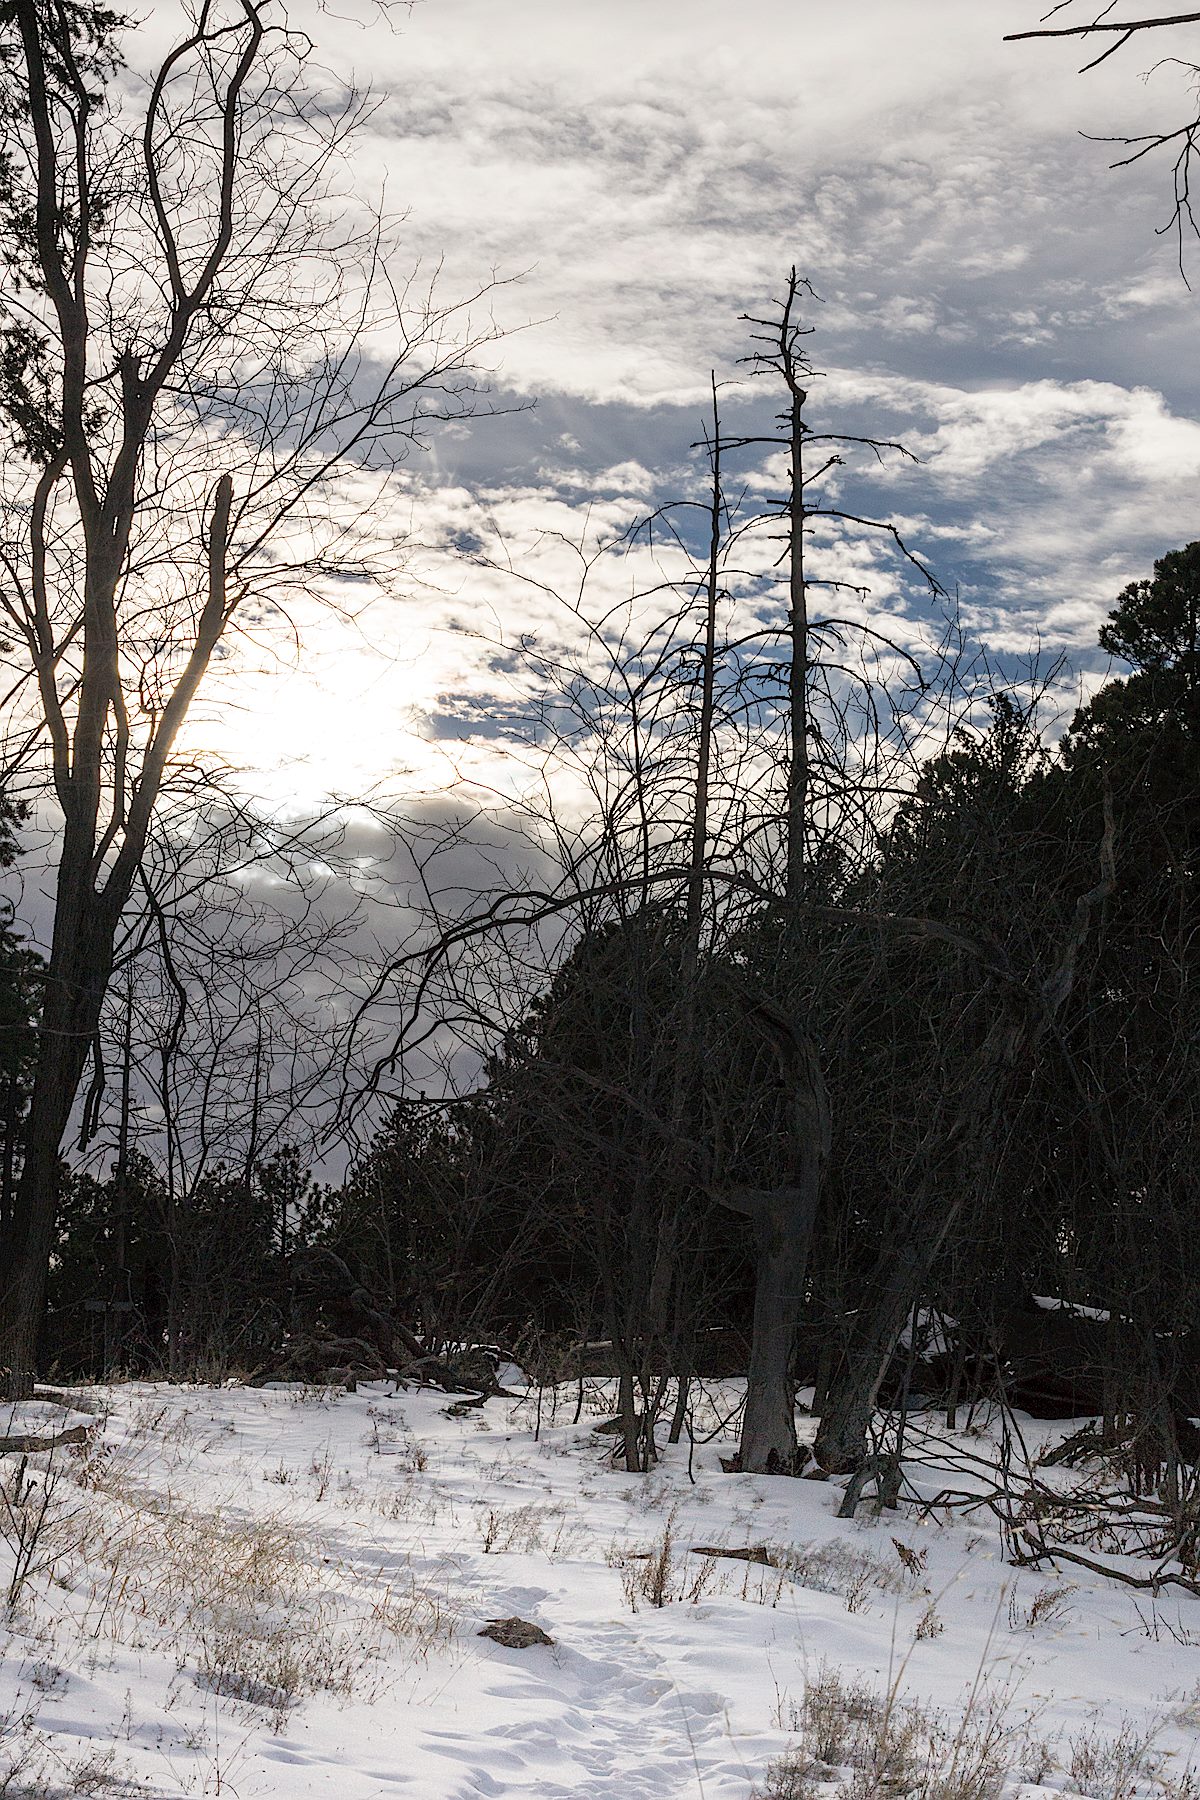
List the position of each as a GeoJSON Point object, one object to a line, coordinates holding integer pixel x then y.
{"type": "Point", "coordinates": [150, 262]}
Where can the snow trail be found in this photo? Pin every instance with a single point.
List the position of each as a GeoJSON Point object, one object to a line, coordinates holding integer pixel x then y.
{"type": "Point", "coordinates": [304, 1579]}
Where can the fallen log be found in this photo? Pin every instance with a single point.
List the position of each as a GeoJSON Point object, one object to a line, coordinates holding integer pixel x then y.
{"type": "Point", "coordinates": [753, 1553]}
{"type": "Point", "coordinates": [29, 1444]}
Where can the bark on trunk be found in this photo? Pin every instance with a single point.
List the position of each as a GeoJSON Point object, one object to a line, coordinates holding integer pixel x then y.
{"type": "Point", "coordinates": [76, 977]}
{"type": "Point", "coordinates": [841, 1440]}
{"type": "Point", "coordinates": [783, 1219]}
{"type": "Point", "coordinates": [782, 1223]}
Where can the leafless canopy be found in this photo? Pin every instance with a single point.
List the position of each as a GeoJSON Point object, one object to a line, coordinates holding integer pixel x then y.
{"type": "Point", "coordinates": [208, 373]}
{"type": "Point", "coordinates": [1180, 141]}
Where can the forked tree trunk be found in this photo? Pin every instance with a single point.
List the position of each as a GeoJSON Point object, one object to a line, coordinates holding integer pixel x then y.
{"type": "Point", "coordinates": [86, 917]}
{"type": "Point", "coordinates": [113, 688]}
{"type": "Point", "coordinates": [850, 1401]}
{"type": "Point", "coordinates": [782, 1220]}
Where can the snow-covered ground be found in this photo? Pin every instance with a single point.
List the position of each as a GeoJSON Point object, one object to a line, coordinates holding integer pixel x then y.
{"type": "Point", "coordinates": [279, 1592]}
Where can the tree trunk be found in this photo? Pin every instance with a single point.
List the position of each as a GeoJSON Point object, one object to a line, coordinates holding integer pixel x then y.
{"type": "Point", "coordinates": [783, 1224]}
{"type": "Point", "coordinates": [631, 1424]}
{"type": "Point", "coordinates": [783, 1219]}
{"type": "Point", "coordinates": [76, 978]}
{"type": "Point", "coordinates": [850, 1403]}
{"type": "Point", "coordinates": [12, 1118]}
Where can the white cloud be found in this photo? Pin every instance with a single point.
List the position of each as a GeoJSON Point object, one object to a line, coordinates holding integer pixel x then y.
{"type": "Point", "coordinates": [991, 293]}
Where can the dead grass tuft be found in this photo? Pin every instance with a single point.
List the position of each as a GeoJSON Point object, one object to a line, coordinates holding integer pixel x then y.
{"type": "Point", "coordinates": [872, 1746]}
{"type": "Point", "coordinates": [857, 1744]}
{"type": "Point", "coordinates": [529, 1528]}
{"type": "Point", "coordinates": [1112, 1767]}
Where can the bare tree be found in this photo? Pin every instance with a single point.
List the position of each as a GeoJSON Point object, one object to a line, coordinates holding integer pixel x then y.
{"type": "Point", "coordinates": [837, 752]}
{"type": "Point", "coordinates": [1108, 36]}
{"type": "Point", "coordinates": [729, 764]}
{"type": "Point", "coordinates": [202, 338]}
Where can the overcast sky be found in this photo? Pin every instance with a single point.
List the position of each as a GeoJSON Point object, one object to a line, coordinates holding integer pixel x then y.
{"type": "Point", "coordinates": [641, 172]}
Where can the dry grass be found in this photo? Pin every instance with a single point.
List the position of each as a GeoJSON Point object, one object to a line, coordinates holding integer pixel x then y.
{"type": "Point", "coordinates": [40, 1524]}
{"type": "Point", "coordinates": [1113, 1767]}
{"type": "Point", "coordinates": [930, 1624]}
{"type": "Point", "coordinates": [315, 1393]}
{"type": "Point", "coordinates": [1049, 1606]}
{"type": "Point", "coordinates": [870, 1746]}
{"type": "Point", "coordinates": [408, 1501]}
{"type": "Point", "coordinates": [32, 1767]}
{"type": "Point", "coordinates": [663, 1571]}
{"type": "Point", "coordinates": [840, 1567]}
{"type": "Point", "coordinates": [858, 1744]}
{"type": "Point", "coordinates": [530, 1528]}
{"type": "Point", "coordinates": [658, 1574]}
{"type": "Point", "coordinates": [834, 1716]}
{"type": "Point", "coordinates": [250, 1608]}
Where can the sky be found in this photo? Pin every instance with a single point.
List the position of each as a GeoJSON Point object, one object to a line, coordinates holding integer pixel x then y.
{"type": "Point", "coordinates": [637, 176]}
{"type": "Point", "coordinates": [619, 185]}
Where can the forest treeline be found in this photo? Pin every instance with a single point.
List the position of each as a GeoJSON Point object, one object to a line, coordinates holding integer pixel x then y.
{"type": "Point", "coordinates": [1012, 1112]}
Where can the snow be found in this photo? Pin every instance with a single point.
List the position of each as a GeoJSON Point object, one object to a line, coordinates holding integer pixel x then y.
{"type": "Point", "coordinates": [1050, 1303]}
{"type": "Point", "coordinates": [277, 1592]}
{"type": "Point", "coordinates": [41, 1418]}
{"type": "Point", "coordinates": [931, 1332]}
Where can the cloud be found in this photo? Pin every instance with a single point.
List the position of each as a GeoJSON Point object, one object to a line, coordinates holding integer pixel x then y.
{"type": "Point", "coordinates": [991, 293]}
{"type": "Point", "coordinates": [656, 177]}
{"type": "Point", "coordinates": [1036, 501]}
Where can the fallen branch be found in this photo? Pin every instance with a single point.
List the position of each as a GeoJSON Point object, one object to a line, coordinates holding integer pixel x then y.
{"type": "Point", "coordinates": [1039, 1553]}
{"type": "Point", "coordinates": [28, 1444]}
{"type": "Point", "coordinates": [753, 1553]}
